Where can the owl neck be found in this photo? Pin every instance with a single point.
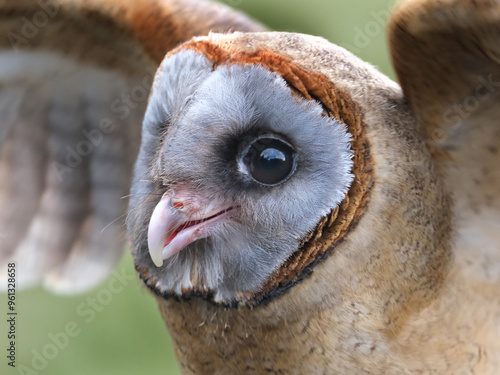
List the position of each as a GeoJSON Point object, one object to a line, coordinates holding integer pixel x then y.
{"type": "Point", "coordinates": [213, 340]}
{"type": "Point", "coordinates": [334, 339]}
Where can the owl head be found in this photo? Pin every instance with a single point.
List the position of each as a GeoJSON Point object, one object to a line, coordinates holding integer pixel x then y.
{"type": "Point", "coordinates": [254, 165]}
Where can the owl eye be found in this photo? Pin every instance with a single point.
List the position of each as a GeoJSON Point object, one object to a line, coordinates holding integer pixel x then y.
{"type": "Point", "coordinates": [270, 160]}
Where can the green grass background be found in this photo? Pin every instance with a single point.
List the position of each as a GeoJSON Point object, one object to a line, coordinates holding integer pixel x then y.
{"type": "Point", "coordinates": [128, 335]}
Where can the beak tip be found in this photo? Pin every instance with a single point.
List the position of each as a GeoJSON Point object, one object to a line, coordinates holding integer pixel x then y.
{"type": "Point", "coordinates": [156, 254]}
{"type": "Point", "coordinates": [157, 230]}
{"type": "Point", "coordinates": [158, 263]}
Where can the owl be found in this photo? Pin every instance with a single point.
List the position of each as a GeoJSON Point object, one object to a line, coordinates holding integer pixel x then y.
{"type": "Point", "coordinates": [291, 209]}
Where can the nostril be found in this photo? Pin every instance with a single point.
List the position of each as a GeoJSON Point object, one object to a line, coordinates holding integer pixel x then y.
{"type": "Point", "coordinates": [178, 205]}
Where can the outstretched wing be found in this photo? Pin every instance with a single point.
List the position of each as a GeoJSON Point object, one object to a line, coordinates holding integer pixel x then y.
{"type": "Point", "coordinates": [447, 56]}
{"type": "Point", "coordinates": [74, 83]}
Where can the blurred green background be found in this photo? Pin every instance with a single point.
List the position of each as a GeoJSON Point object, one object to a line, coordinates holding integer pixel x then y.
{"type": "Point", "coordinates": [127, 335]}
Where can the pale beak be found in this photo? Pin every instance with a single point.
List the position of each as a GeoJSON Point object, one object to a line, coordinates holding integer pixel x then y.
{"type": "Point", "coordinates": [175, 223]}
{"type": "Point", "coordinates": [164, 220]}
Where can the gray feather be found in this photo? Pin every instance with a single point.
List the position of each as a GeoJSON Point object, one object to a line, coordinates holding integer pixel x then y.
{"type": "Point", "coordinates": [195, 118]}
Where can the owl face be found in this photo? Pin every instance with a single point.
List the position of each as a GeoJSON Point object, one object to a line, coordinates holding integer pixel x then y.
{"type": "Point", "coordinates": [235, 170]}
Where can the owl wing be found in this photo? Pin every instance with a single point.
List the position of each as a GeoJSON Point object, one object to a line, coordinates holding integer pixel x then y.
{"type": "Point", "coordinates": [447, 56]}
{"type": "Point", "coordinates": [74, 83]}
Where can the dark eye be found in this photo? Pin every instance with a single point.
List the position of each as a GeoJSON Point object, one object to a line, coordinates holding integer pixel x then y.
{"type": "Point", "coordinates": [270, 160]}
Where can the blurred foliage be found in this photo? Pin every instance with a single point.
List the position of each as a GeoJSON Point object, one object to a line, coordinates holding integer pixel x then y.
{"type": "Point", "coordinates": [127, 335]}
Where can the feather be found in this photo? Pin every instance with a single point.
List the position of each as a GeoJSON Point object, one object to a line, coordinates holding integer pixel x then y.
{"type": "Point", "coordinates": [446, 55]}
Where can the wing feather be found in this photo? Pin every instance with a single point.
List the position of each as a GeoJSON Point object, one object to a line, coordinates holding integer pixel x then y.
{"type": "Point", "coordinates": [447, 56]}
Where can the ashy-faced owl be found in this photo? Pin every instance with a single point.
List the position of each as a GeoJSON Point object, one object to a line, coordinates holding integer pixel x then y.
{"type": "Point", "coordinates": [292, 209]}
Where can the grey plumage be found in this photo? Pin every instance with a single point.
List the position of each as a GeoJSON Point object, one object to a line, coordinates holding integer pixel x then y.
{"type": "Point", "coordinates": [194, 129]}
